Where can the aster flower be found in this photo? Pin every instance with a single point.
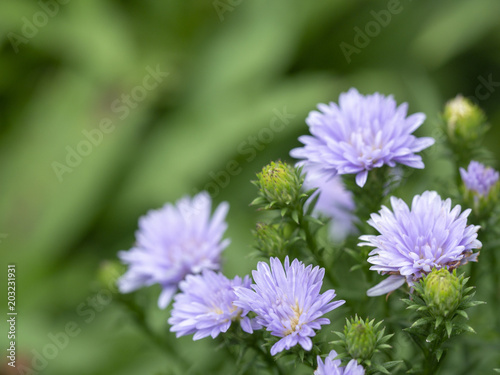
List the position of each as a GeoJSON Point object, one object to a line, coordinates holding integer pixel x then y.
{"type": "Point", "coordinates": [479, 179]}
{"type": "Point", "coordinates": [332, 366]}
{"type": "Point", "coordinates": [172, 242]}
{"type": "Point", "coordinates": [287, 301]}
{"type": "Point", "coordinates": [334, 202]}
{"type": "Point", "coordinates": [359, 134]}
{"type": "Point", "coordinates": [205, 306]}
{"type": "Point", "coordinates": [413, 242]}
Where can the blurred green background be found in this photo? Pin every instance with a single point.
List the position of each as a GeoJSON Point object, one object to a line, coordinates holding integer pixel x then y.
{"type": "Point", "coordinates": [225, 70]}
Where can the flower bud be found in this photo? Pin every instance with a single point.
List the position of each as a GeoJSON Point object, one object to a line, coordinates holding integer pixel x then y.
{"type": "Point", "coordinates": [361, 338]}
{"type": "Point", "coordinates": [464, 120]}
{"type": "Point", "coordinates": [269, 239]}
{"type": "Point", "coordinates": [109, 272]}
{"type": "Point", "coordinates": [280, 184]}
{"type": "Point", "coordinates": [442, 292]}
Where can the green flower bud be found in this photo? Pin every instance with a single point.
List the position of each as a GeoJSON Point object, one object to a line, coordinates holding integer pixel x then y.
{"type": "Point", "coordinates": [361, 338]}
{"type": "Point", "coordinates": [269, 239]}
{"type": "Point", "coordinates": [279, 184]}
{"type": "Point", "coordinates": [464, 120]}
{"type": "Point", "coordinates": [442, 292]}
{"type": "Point", "coordinates": [109, 272]}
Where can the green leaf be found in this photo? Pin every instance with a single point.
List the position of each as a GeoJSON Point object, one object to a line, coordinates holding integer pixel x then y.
{"type": "Point", "coordinates": [258, 201]}
{"type": "Point", "coordinates": [439, 354]}
{"type": "Point", "coordinates": [381, 369]}
{"type": "Point", "coordinates": [392, 364]}
{"type": "Point", "coordinates": [420, 322]}
{"type": "Point", "coordinates": [462, 313]}
{"type": "Point", "coordinates": [355, 267]}
{"type": "Point", "coordinates": [439, 320]}
{"type": "Point", "coordinates": [314, 220]}
{"type": "Point", "coordinates": [431, 337]}
{"type": "Point", "coordinates": [449, 327]}
{"type": "Point", "coordinates": [464, 327]}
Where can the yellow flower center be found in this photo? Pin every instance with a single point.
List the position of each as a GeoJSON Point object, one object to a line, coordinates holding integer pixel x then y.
{"type": "Point", "coordinates": [294, 320]}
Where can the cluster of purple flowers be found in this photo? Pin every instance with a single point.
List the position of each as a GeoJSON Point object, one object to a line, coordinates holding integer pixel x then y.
{"type": "Point", "coordinates": [179, 246]}
{"type": "Point", "coordinates": [285, 300]}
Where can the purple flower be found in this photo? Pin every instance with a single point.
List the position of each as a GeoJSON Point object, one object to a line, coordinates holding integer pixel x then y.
{"type": "Point", "coordinates": [172, 242]}
{"type": "Point", "coordinates": [359, 134]}
{"type": "Point", "coordinates": [334, 202]}
{"type": "Point", "coordinates": [413, 242]}
{"type": "Point", "coordinates": [332, 366]}
{"type": "Point", "coordinates": [287, 301]}
{"type": "Point", "coordinates": [205, 306]}
{"type": "Point", "coordinates": [479, 178]}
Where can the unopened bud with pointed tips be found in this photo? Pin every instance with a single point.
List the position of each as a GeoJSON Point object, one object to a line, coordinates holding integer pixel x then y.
{"type": "Point", "coordinates": [442, 292]}
{"type": "Point", "coordinates": [279, 185]}
{"type": "Point", "coordinates": [361, 338]}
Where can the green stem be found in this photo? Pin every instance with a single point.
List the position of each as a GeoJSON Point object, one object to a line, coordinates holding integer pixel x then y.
{"type": "Point", "coordinates": [140, 319]}
{"type": "Point", "coordinates": [313, 247]}
{"type": "Point", "coordinates": [431, 363]}
{"type": "Point", "coordinates": [266, 356]}
{"type": "Point", "coordinates": [496, 282]}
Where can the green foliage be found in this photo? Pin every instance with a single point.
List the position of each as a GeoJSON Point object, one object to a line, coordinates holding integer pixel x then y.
{"type": "Point", "coordinates": [439, 301]}
{"type": "Point", "coordinates": [227, 80]}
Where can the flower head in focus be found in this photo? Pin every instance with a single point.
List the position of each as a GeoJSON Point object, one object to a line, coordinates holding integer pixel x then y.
{"type": "Point", "coordinates": [334, 202]}
{"type": "Point", "coordinates": [279, 186]}
{"type": "Point", "coordinates": [480, 181]}
{"type": "Point", "coordinates": [332, 366]}
{"type": "Point", "coordinates": [173, 242]}
{"type": "Point", "coordinates": [359, 134]}
{"type": "Point", "coordinates": [413, 242]}
{"type": "Point", "coordinates": [205, 306]}
{"type": "Point", "coordinates": [288, 302]}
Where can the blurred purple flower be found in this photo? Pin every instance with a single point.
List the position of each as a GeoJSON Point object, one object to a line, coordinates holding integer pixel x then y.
{"type": "Point", "coordinates": [359, 134]}
{"type": "Point", "coordinates": [332, 366]}
{"type": "Point", "coordinates": [172, 242]}
{"type": "Point", "coordinates": [334, 202]}
{"type": "Point", "coordinates": [413, 242]}
{"type": "Point", "coordinates": [205, 306]}
{"type": "Point", "coordinates": [287, 301]}
{"type": "Point", "coordinates": [478, 178]}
